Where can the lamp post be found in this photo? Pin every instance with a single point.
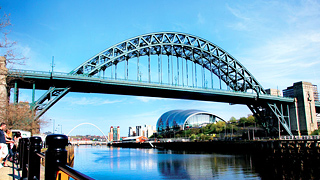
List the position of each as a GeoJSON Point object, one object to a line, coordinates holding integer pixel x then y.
{"type": "Point", "coordinates": [231, 131]}
{"type": "Point", "coordinates": [225, 131]}
{"type": "Point", "coordinates": [53, 124]}
{"type": "Point", "coordinates": [59, 125]}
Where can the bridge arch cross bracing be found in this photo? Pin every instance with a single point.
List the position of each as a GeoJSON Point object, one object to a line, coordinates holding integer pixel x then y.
{"type": "Point", "coordinates": [91, 125]}
{"type": "Point", "coordinates": [182, 45]}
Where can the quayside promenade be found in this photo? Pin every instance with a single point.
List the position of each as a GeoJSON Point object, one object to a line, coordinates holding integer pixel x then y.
{"type": "Point", "coordinates": [10, 172]}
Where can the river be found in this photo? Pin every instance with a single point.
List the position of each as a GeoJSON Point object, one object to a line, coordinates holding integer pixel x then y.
{"type": "Point", "coordinates": [101, 162]}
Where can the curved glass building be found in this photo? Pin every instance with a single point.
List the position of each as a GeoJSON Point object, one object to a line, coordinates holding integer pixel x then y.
{"type": "Point", "coordinates": [177, 120]}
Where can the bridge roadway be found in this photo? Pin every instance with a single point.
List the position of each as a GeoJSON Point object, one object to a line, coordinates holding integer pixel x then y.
{"type": "Point", "coordinates": [84, 84]}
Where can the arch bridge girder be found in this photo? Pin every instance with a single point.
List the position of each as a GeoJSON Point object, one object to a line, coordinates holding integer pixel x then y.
{"type": "Point", "coordinates": [189, 47]}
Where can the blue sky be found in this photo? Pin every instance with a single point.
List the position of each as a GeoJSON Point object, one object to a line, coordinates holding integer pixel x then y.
{"type": "Point", "coordinates": [277, 41]}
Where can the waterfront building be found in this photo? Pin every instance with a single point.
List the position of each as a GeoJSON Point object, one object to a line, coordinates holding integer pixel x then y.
{"type": "Point", "coordinates": [132, 131]}
{"type": "Point", "coordinates": [110, 135]}
{"type": "Point", "coordinates": [303, 119]}
{"type": "Point", "coordinates": [135, 139]}
{"type": "Point", "coordinates": [114, 134]}
{"type": "Point", "coordinates": [177, 120]}
{"type": "Point", "coordinates": [138, 131]}
{"type": "Point", "coordinates": [148, 130]}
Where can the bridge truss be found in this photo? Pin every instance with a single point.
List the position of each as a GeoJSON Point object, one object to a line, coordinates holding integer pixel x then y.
{"type": "Point", "coordinates": [179, 60]}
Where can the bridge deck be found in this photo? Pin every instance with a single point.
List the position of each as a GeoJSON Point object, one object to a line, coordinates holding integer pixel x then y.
{"type": "Point", "coordinates": [44, 80]}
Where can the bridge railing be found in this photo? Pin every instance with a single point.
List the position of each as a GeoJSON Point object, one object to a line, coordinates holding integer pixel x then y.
{"type": "Point", "coordinates": [314, 137]}
{"type": "Point", "coordinates": [55, 158]}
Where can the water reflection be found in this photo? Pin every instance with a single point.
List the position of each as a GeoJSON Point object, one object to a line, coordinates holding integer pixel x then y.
{"type": "Point", "coordinates": [183, 165]}
{"type": "Point", "coordinates": [287, 168]}
{"type": "Point", "coordinates": [118, 163]}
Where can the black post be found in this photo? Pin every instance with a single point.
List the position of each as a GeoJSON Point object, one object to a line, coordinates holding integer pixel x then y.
{"type": "Point", "coordinates": [34, 159]}
{"type": "Point", "coordinates": [56, 154]}
{"type": "Point", "coordinates": [20, 152]}
{"type": "Point", "coordinates": [24, 161]}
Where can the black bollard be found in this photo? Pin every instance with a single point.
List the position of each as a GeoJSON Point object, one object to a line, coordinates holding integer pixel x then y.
{"type": "Point", "coordinates": [24, 161]}
{"type": "Point", "coordinates": [20, 154]}
{"type": "Point", "coordinates": [56, 154]}
{"type": "Point", "coordinates": [34, 159]}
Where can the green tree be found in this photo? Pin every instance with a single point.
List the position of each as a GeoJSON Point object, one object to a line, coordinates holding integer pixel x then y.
{"type": "Point", "coordinates": [251, 120]}
{"type": "Point", "coordinates": [193, 137]}
{"type": "Point", "coordinates": [203, 137]}
{"type": "Point", "coordinates": [233, 120]}
{"type": "Point", "coordinates": [316, 132]}
{"type": "Point", "coordinates": [243, 121]}
{"type": "Point", "coordinates": [220, 127]}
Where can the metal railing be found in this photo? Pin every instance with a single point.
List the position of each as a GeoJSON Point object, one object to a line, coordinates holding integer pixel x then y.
{"type": "Point", "coordinates": [55, 159]}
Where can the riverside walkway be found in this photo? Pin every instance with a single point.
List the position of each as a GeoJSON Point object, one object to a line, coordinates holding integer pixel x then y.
{"type": "Point", "coordinates": [9, 173]}
{"type": "Point", "coordinates": [12, 173]}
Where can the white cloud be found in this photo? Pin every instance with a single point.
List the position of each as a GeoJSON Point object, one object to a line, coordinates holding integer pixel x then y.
{"type": "Point", "coordinates": [89, 101]}
{"type": "Point", "coordinates": [286, 52]}
{"type": "Point", "coordinates": [149, 99]}
{"type": "Point", "coordinates": [201, 19]}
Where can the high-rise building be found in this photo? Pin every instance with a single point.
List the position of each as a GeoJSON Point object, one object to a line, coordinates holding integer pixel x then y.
{"type": "Point", "coordinates": [132, 131]}
{"type": "Point", "coordinates": [110, 135]}
{"type": "Point", "coordinates": [146, 130]}
{"type": "Point", "coordinates": [149, 130]}
{"type": "Point", "coordinates": [114, 134]}
{"type": "Point", "coordinates": [138, 131]}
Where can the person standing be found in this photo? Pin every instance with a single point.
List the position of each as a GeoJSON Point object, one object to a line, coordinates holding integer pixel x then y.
{"type": "Point", "coordinates": [3, 145]}
{"type": "Point", "coordinates": [9, 142]}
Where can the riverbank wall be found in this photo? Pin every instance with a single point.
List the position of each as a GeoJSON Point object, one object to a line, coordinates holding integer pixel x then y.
{"type": "Point", "coordinates": [284, 148]}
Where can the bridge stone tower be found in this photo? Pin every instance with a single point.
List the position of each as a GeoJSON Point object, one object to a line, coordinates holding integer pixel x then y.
{"type": "Point", "coordinates": [303, 118]}
{"type": "Point", "coordinates": [3, 88]}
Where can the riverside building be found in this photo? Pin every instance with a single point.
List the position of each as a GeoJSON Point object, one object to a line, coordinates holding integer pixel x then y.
{"type": "Point", "coordinates": [177, 120]}
{"type": "Point", "coordinates": [114, 134]}
{"type": "Point", "coordinates": [146, 130]}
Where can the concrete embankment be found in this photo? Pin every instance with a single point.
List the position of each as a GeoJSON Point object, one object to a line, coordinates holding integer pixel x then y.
{"type": "Point", "coordinates": [289, 148]}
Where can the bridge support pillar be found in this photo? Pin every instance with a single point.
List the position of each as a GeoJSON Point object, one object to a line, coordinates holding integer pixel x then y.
{"type": "Point", "coordinates": [16, 93]}
{"type": "Point", "coordinates": [304, 115]}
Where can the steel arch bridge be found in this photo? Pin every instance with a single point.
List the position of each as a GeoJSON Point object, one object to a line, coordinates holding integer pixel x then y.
{"type": "Point", "coordinates": [166, 64]}
{"type": "Point", "coordinates": [106, 137]}
{"type": "Point", "coordinates": [191, 48]}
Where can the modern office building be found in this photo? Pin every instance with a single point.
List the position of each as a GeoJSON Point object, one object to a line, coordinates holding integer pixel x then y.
{"type": "Point", "coordinates": [138, 131]}
{"type": "Point", "coordinates": [303, 118]}
{"type": "Point", "coordinates": [146, 130]}
{"type": "Point", "coordinates": [132, 131]}
{"type": "Point", "coordinates": [177, 120]}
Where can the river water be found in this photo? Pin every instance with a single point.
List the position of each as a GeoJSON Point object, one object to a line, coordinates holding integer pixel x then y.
{"type": "Point", "coordinates": [101, 162]}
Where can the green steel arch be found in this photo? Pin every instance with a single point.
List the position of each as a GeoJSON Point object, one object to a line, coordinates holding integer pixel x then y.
{"type": "Point", "coordinates": [190, 47]}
